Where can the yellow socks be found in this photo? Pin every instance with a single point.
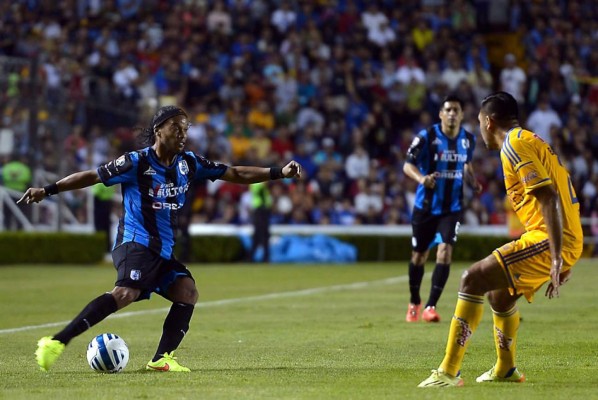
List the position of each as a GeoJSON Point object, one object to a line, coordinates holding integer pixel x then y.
{"type": "Point", "coordinates": [506, 325]}
{"type": "Point", "coordinates": [468, 314]}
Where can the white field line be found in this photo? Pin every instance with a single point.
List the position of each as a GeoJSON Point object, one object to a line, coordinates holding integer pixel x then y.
{"type": "Point", "coordinates": [217, 303]}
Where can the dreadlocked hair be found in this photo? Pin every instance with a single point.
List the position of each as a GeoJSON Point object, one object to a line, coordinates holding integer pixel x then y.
{"type": "Point", "coordinates": [148, 135]}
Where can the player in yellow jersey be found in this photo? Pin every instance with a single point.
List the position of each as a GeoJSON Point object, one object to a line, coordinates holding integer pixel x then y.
{"type": "Point", "coordinates": [540, 191]}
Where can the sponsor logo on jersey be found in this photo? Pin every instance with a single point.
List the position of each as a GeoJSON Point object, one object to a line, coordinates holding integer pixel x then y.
{"type": "Point", "coordinates": [150, 171]}
{"type": "Point", "coordinates": [530, 176]}
{"type": "Point", "coordinates": [168, 190]}
{"type": "Point", "coordinates": [156, 205]}
{"type": "Point", "coordinates": [450, 174]}
{"type": "Point", "coordinates": [450, 156]}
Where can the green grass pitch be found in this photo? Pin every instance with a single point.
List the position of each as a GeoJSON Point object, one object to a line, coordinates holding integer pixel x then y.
{"type": "Point", "coordinates": [291, 332]}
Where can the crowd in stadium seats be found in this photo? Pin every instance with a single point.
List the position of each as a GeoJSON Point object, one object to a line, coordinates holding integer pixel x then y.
{"type": "Point", "coordinates": [341, 86]}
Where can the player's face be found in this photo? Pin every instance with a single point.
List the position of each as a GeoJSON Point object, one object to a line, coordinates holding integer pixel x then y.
{"type": "Point", "coordinates": [486, 129]}
{"type": "Point", "coordinates": [173, 133]}
{"type": "Point", "coordinates": [451, 114]}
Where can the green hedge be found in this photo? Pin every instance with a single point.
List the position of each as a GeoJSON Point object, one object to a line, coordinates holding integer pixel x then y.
{"type": "Point", "coordinates": [51, 247]}
{"type": "Point", "coordinates": [23, 247]}
{"type": "Point", "coordinates": [369, 248]}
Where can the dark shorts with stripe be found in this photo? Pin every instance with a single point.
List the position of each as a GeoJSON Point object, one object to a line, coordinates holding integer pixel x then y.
{"type": "Point", "coordinates": [140, 268]}
{"type": "Point", "coordinates": [430, 230]}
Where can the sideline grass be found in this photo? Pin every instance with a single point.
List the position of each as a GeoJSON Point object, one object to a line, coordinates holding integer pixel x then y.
{"type": "Point", "coordinates": [341, 344]}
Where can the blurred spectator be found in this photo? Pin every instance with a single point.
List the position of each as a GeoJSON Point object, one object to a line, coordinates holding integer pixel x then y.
{"type": "Point", "coordinates": [512, 78]}
{"type": "Point", "coordinates": [542, 119]}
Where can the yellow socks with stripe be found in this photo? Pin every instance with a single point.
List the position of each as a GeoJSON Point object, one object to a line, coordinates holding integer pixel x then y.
{"type": "Point", "coordinates": [468, 314]}
{"type": "Point", "coordinates": [506, 325]}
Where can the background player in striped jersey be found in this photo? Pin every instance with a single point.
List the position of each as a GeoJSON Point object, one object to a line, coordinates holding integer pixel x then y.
{"type": "Point", "coordinates": [540, 191]}
{"type": "Point", "coordinates": [439, 159]}
{"type": "Point", "coordinates": [155, 182]}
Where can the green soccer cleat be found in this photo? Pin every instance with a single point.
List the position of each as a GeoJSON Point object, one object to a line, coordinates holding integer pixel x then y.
{"type": "Point", "coordinates": [48, 351]}
{"type": "Point", "coordinates": [439, 378]}
{"type": "Point", "coordinates": [512, 376]}
{"type": "Point", "coordinates": [167, 363]}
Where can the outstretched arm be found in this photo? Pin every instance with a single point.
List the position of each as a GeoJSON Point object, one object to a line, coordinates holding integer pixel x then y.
{"type": "Point", "coordinates": [550, 205]}
{"type": "Point", "coordinates": [78, 180]}
{"type": "Point", "coordinates": [248, 175]}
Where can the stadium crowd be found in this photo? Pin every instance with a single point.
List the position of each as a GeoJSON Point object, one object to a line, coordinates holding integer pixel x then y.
{"type": "Point", "coordinates": [340, 86]}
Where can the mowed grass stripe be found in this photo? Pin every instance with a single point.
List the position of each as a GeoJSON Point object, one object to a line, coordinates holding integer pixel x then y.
{"type": "Point", "coordinates": [224, 302]}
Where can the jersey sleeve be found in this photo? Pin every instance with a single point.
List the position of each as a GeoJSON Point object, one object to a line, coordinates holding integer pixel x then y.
{"type": "Point", "coordinates": [207, 169]}
{"type": "Point", "coordinates": [415, 152]}
{"type": "Point", "coordinates": [524, 157]}
{"type": "Point", "coordinates": [121, 170]}
{"type": "Point", "coordinates": [472, 142]}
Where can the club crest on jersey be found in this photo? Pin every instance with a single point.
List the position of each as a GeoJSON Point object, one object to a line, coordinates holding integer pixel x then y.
{"type": "Point", "coordinates": [465, 143]}
{"type": "Point", "coordinates": [183, 167]}
{"type": "Point", "coordinates": [135, 274]}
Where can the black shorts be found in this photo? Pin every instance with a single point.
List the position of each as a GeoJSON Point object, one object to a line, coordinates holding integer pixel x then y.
{"type": "Point", "coordinates": [430, 230]}
{"type": "Point", "coordinates": [140, 268]}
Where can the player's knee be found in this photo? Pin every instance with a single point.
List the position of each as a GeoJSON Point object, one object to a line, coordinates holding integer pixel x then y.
{"type": "Point", "coordinates": [186, 292]}
{"type": "Point", "coordinates": [125, 296]}
{"type": "Point", "coordinates": [472, 281]}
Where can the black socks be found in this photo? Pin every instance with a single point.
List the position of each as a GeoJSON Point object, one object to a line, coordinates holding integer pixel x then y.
{"type": "Point", "coordinates": [175, 327]}
{"type": "Point", "coordinates": [94, 312]}
{"type": "Point", "coordinates": [439, 278]}
{"type": "Point", "coordinates": [416, 274]}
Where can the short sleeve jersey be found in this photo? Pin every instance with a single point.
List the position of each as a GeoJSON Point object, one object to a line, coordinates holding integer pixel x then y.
{"type": "Point", "coordinates": [434, 152]}
{"type": "Point", "coordinates": [530, 163]}
{"type": "Point", "coordinates": [153, 194]}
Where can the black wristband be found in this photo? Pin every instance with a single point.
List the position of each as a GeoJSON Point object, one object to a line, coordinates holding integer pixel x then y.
{"type": "Point", "coordinates": [276, 173]}
{"type": "Point", "coordinates": [51, 189]}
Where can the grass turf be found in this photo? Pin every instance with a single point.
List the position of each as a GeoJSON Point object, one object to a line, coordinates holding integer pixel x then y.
{"type": "Point", "coordinates": [290, 332]}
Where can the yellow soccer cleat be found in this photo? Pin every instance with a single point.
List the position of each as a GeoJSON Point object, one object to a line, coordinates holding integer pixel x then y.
{"type": "Point", "coordinates": [48, 351]}
{"type": "Point", "coordinates": [439, 379]}
{"type": "Point", "coordinates": [512, 376]}
{"type": "Point", "coordinates": [167, 363]}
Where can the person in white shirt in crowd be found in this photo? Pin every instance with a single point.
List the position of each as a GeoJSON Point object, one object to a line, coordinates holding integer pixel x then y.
{"type": "Point", "coordinates": [542, 119]}
{"type": "Point", "coordinates": [284, 17]}
{"type": "Point", "coordinates": [513, 78]}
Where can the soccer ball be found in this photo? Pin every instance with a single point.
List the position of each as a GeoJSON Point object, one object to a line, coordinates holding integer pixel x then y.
{"type": "Point", "coordinates": [107, 353]}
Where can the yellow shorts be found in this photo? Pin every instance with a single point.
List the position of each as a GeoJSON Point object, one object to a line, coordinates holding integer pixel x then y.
{"type": "Point", "coordinates": [527, 262]}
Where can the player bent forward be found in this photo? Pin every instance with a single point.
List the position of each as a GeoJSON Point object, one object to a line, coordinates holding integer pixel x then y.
{"type": "Point", "coordinates": [540, 191]}
{"type": "Point", "coordinates": [155, 182]}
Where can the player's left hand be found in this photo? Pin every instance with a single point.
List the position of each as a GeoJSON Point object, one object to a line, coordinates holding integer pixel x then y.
{"type": "Point", "coordinates": [557, 278]}
{"type": "Point", "coordinates": [292, 170]}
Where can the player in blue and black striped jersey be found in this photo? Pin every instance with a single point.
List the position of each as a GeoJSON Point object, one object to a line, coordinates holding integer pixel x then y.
{"type": "Point", "coordinates": [439, 159]}
{"type": "Point", "coordinates": [155, 182]}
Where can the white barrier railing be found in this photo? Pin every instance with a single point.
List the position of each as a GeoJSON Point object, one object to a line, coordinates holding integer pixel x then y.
{"type": "Point", "coordinates": [379, 230]}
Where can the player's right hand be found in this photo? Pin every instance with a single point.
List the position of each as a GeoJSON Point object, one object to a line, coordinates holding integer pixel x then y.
{"type": "Point", "coordinates": [430, 181]}
{"type": "Point", "coordinates": [33, 195]}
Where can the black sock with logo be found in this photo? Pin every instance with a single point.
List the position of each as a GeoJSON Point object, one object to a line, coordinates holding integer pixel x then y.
{"type": "Point", "coordinates": [175, 327]}
{"type": "Point", "coordinates": [97, 309]}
